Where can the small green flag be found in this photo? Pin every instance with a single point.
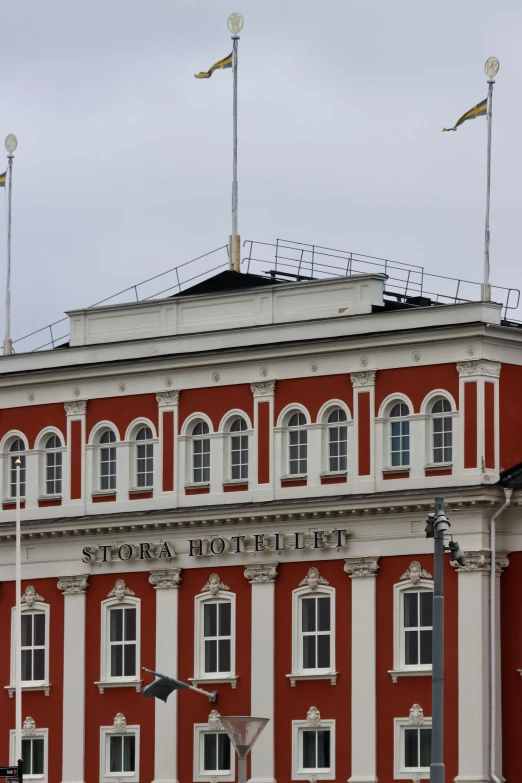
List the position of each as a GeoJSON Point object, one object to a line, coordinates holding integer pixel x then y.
{"type": "Point", "coordinates": [477, 111]}
{"type": "Point", "coordinates": [226, 62]}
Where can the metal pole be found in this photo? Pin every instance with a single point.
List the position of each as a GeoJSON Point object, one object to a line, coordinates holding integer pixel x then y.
{"type": "Point", "coordinates": [18, 634]}
{"type": "Point", "coordinates": [241, 769]}
{"type": "Point", "coordinates": [234, 260]}
{"type": "Point", "coordinates": [437, 773]}
{"type": "Point", "coordinates": [8, 343]}
{"type": "Point", "coordinates": [486, 291]}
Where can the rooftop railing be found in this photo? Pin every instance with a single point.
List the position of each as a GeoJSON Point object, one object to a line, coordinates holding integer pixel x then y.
{"type": "Point", "coordinates": [286, 259]}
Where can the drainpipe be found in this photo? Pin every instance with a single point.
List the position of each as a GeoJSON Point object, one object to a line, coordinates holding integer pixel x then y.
{"type": "Point", "coordinates": [493, 636]}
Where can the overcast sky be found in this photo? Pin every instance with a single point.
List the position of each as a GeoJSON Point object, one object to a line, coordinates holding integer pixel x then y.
{"type": "Point", "coordinates": [123, 168]}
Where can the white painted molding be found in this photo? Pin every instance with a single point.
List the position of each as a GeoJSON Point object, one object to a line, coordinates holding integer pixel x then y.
{"type": "Point", "coordinates": [313, 579]}
{"type": "Point", "coordinates": [120, 590]}
{"type": "Point", "coordinates": [214, 585]}
{"type": "Point", "coordinates": [73, 585]}
{"type": "Point", "coordinates": [332, 676]}
{"type": "Point", "coordinates": [261, 573]}
{"type": "Point", "coordinates": [263, 388]}
{"type": "Point", "coordinates": [363, 378]}
{"type": "Point", "coordinates": [416, 717]}
{"type": "Point", "coordinates": [415, 573]}
{"type": "Point", "coordinates": [75, 407]}
{"type": "Point", "coordinates": [167, 399]}
{"type": "Point", "coordinates": [214, 721]}
{"type": "Point", "coordinates": [480, 560]}
{"type": "Point", "coordinates": [479, 367]}
{"type": "Point", "coordinates": [30, 597]}
{"type": "Point", "coordinates": [29, 727]}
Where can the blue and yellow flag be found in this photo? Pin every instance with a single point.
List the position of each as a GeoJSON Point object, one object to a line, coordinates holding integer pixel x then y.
{"type": "Point", "coordinates": [226, 62]}
{"type": "Point", "coordinates": [2, 179]}
{"type": "Point", "coordinates": [479, 110]}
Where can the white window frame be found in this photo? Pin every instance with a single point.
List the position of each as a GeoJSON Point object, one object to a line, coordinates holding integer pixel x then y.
{"type": "Point", "coordinates": [105, 659]}
{"type": "Point", "coordinates": [6, 444]}
{"type": "Point", "coordinates": [322, 417]}
{"type": "Point", "coordinates": [199, 644]}
{"type": "Point", "coordinates": [38, 734]}
{"type": "Point", "coordinates": [200, 439]}
{"type": "Point", "coordinates": [237, 434]}
{"type": "Point", "coordinates": [130, 439]}
{"type": "Point", "coordinates": [98, 461]}
{"type": "Point", "coordinates": [42, 452]}
{"type": "Point", "coordinates": [400, 772]}
{"type": "Point", "coordinates": [106, 732]}
{"type": "Point", "coordinates": [431, 445]}
{"type": "Point", "coordinates": [298, 726]}
{"type": "Point", "coordinates": [423, 585]}
{"type": "Point", "coordinates": [388, 433]}
{"type": "Point", "coordinates": [298, 672]}
{"type": "Point", "coordinates": [32, 685]}
{"type": "Point", "coordinates": [199, 776]}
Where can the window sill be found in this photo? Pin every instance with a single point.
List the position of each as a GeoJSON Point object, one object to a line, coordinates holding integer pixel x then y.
{"type": "Point", "coordinates": [295, 477]}
{"type": "Point", "coordinates": [232, 482]}
{"type": "Point", "coordinates": [332, 676]}
{"type": "Point", "coordinates": [438, 466]}
{"type": "Point", "coordinates": [198, 485]}
{"type": "Point", "coordinates": [333, 473]}
{"type": "Point", "coordinates": [100, 493]}
{"type": "Point", "coordinates": [398, 469]}
{"type": "Point", "coordinates": [396, 673]}
{"type": "Point", "coordinates": [137, 490]}
{"type": "Point", "coordinates": [123, 684]}
{"type": "Point", "coordinates": [215, 681]}
{"type": "Point", "coordinates": [11, 689]}
{"type": "Point", "coordinates": [44, 498]}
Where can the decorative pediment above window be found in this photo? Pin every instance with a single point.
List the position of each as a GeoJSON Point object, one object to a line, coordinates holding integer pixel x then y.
{"type": "Point", "coordinates": [313, 579]}
{"type": "Point", "coordinates": [120, 723]}
{"type": "Point", "coordinates": [30, 596]}
{"type": "Point", "coordinates": [415, 573]}
{"type": "Point", "coordinates": [313, 717]}
{"type": "Point", "coordinates": [120, 590]}
{"type": "Point", "coordinates": [416, 717]}
{"type": "Point", "coordinates": [214, 721]}
{"type": "Point", "coordinates": [29, 727]}
{"type": "Point", "coordinates": [214, 585]}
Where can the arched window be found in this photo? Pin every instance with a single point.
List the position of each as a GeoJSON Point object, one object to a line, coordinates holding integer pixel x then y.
{"type": "Point", "coordinates": [238, 449]}
{"type": "Point", "coordinates": [297, 444]}
{"type": "Point", "coordinates": [337, 441]}
{"type": "Point", "coordinates": [16, 450]}
{"type": "Point", "coordinates": [399, 435]}
{"type": "Point", "coordinates": [200, 453]}
{"type": "Point", "coordinates": [107, 460]}
{"type": "Point", "coordinates": [442, 431]}
{"type": "Point", "coordinates": [53, 465]}
{"type": "Point", "coordinates": [144, 458]}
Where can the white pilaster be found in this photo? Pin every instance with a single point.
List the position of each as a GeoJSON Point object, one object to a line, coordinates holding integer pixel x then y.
{"type": "Point", "coordinates": [74, 589]}
{"type": "Point", "coordinates": [474, 669]}
{"type": "Point", "coordinates": [262, 577]}
{"type": "Point", "coordinates": [482, 371]}
{"type": "Point", "coordinates": [166, 583]}
{"type": "Point", "coordinates": [363, 571]}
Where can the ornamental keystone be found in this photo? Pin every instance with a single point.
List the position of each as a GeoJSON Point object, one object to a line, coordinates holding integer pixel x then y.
{"type": "Point", "coordinates": [120, 723]}
{"type": "Point", "coordinates": [29, 727]}
{"type": "Point", "coordinates": [214, 721]}
{"type": "Point", "coordinates": [214, 585]}
{"type": "Point", "coordinates": [415, 573]}
{"type": "Point", "coordinates": [30, 596]}
{"type": "Point", "coordinates": [120, 590]}
{"type": "Point", "coordinates": [313, 579]}
{"type": "Point", "coordinates": [313, 717]}
{"type": "Point", "coordinates": [416, 717]}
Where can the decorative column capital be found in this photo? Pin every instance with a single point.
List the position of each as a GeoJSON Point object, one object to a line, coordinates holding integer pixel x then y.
{"type": "Point", "coordinates": [477, 367]}
{"type": "Point", "coordinates": [357, 567]}
{"type": "Point", "coordinates": [263, 388]}
{"type": "Point", "coordinates": [480, 560]}
{"type": "Point", "coordinates": [261, 573]}
{"type": "Point", "coordinates": [165, 578]}
{"type": "Point", "coordinates": [363, 378]}
{"type": "Point", "coordinates": [73, 585]}
{"type": "Point", "coordinates": [168, 399]}
{"type": "Point", "coordinates": [75, 407]}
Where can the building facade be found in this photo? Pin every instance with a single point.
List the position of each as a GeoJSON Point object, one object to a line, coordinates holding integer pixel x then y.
{"type": "Point", "coordinates": [230, 486]}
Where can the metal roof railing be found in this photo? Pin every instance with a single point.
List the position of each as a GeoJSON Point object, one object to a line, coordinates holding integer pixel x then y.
{"type": "Point", "coordinates": [297, 260]}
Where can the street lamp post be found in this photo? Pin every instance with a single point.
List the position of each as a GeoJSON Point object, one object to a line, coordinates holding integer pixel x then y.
{"type": "Point", "coordinates": [243, 732]}
{"type": "Point", "coordinates": [437, 528]}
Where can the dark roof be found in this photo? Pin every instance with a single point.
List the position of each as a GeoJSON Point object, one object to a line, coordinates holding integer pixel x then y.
{"type": "Point", "coordinates": [229, 280]}
{"type": "Point", "coordinates": [512, 477]}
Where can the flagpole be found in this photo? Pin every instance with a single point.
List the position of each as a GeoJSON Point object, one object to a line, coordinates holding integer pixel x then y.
{"type": "Point", "coordinates": [235, 25]}
{"type": "Point", "coordinates": [18, 633]}
{"type": "Point", "coordinates": [10, 145]}
{"type": "Point", "coordinates": [486, 296]}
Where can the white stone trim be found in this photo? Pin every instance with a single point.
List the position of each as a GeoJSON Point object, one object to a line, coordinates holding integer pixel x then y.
{"type": "Point", "coordinates": [212, 595]}
{"type": "Point", "coordinates": [313, 721]}
{"type": "Point", "coordinates": [411, 581]}
{"type": "Point", "coordinates": [311, 590]}
{"type": "Point", "coordinates": [35, 605]}
{"type": "Point", "coordinates": [35, 733]}
{"type": "Point", "coordinates": [119, 727]}
{"type": "Point", "coordinates": [122, 597]}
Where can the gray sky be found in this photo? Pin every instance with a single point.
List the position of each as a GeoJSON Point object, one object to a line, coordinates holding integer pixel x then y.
{"type": "Point", "coordinates": [123, 167]}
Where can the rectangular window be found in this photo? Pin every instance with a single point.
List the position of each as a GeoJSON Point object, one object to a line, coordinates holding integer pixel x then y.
{"type": "Point", "coordinates": [298, 451]}
{"type": "Point", "coordinates": [144, 465]}
{"type": "Point", "coordinates": [217, 637]}
{"type": "Point", "coordinates": [33, 647]}
{"type": "Point", "coordinates": [315, 750]}
{"type": "Point", "coordinates": [338, 459]}
{"type": "Point", "coordinates": [33, 750]}
{"type": "Point", "coordinates": [12, 482]}
{"type": "Point", "coordinates": [239, 456]}
{"type": "Point", "coordinates": [122, 754]}
{"type": "Point", "coordinates": [442, 440]}
{"type": "Point", "coordinates": [400, 444]}
{"type": "Point", "coordinates": [108, 468]}
{"type": "Point", "coordinates": [417, 749]}
{"type": "Point", "coordinates": [53, 475]}
{"type": "Point", "coordinates": [201, 460]}
{"type": "Point", "coordinates": [418, 627]}
{"type": "Point", "coordinates": [315, 630]}
{"type": "Point", "coordinates": [122, 641]}
{"type": "Point", "coordinates": [216, 753]}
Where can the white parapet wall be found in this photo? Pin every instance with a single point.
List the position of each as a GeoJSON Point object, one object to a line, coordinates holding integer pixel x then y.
{"type": "Point", "coordinates": [278, 304]}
